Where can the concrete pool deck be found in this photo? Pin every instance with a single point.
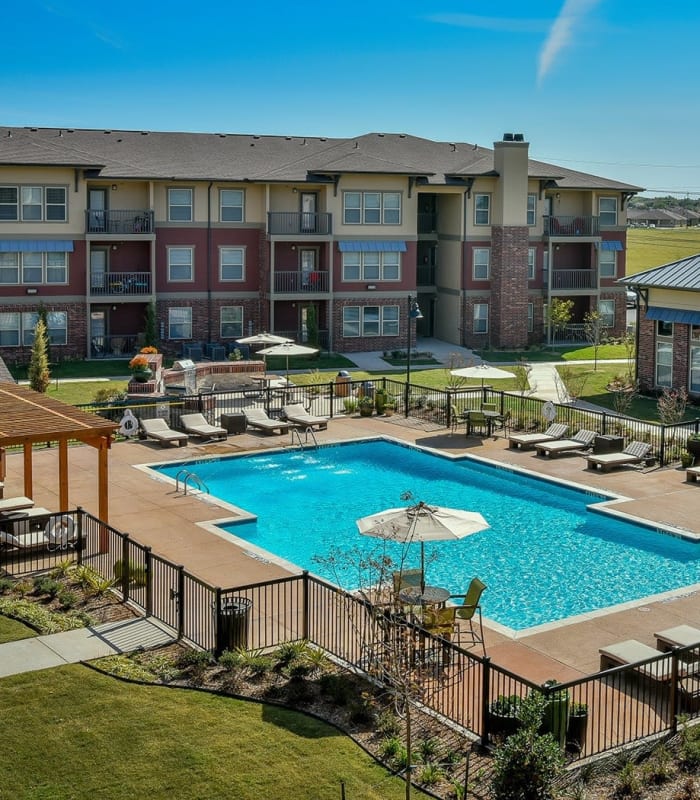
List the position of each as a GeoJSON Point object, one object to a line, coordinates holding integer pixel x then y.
{"type": "Point", "coordinates": [151, 512]}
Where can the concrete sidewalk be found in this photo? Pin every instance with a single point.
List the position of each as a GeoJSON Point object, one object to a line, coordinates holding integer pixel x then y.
{"type": "Point", "coordinates": [84, 644]}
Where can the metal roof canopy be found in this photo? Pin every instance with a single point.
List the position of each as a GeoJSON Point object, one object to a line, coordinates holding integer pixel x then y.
{"type": "Point", "coordinates": [28, 417]}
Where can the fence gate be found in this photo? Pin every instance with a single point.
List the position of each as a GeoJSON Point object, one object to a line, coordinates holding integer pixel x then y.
{"type": "Point", "coordinates": [166, 601]}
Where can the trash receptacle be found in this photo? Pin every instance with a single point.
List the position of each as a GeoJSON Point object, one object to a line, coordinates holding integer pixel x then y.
{"type": "Point", "coordinates": [367, 389]}
{"type": "Point", "coordinates": [342, 383]}
{"type": "Point", "coordinates": [235, 613]}
{"type": "Point", "coordinates": [556, 714]}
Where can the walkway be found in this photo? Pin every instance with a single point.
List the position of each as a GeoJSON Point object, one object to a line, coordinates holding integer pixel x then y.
{"type": "Point", "coordinates": [83, 644]}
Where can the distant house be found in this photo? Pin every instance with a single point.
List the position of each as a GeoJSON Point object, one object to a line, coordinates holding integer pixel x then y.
{"type": "Point", "coordinates": [668, 347]}
{"type": "Point", "coordinates": [656, 218]}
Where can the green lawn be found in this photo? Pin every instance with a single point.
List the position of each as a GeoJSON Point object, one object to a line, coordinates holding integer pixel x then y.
{"type": "Point", "coordinates": [652, 247]}
{"type": "Point", "coordinates": [74, 733]}
{"type": "Point", "coordinates": [11, 630]}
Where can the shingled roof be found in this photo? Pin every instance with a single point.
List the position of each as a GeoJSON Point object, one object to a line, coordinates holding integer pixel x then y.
{"type": "Point", "coordinates": [153, 155]}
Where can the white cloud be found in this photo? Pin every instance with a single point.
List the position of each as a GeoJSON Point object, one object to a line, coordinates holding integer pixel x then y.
{"type": "Point", "coordinates": [561, 33]}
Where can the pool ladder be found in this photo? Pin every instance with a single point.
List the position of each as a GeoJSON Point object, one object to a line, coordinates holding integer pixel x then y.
{"type": "Point", "coordinates": [190, 479]}
{"type": "Point", "coordinates": [308, 431]}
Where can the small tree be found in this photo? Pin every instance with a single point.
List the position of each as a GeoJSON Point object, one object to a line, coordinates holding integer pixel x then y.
{"type": "Point", "coordinates": [559, 315]}
{"type": "Point", "coordinates": [671, 405]}
{"type": "Point", "coordinates": [39, 375]}
{"type": "Point", "coordinates": [150, 336]}
{"type": "Point", "coordinates": [595, 329]}
{"type": "Point", "coordinates": [312, 325]}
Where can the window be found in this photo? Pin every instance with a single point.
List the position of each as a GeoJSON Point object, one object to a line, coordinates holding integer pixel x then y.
{"type": "Point", "coordinates": [607, 263]}
{"type": "Point", "coordinates": [9, 329]}
{"type": "Point", "coordinates": [531, 251]}
{"type": "Point", "coordinates": [607, 210]}
{"type": "Point", "coordinates": [180, 205]}
{"type": "Point", "coordinates": [530, 317]}
{"type": "Point", "coordinates": [33, 203]}
{"type": "Point", "coordinates": [56, 327]}
{"type": "Point", "coordinates": [532, 209]}
{"type": "Point", "coordinates": [9, 268]}
{"type": "Point", "coordinates": [231, 205]}
{"type": "Point", "coordinates": [481, 318]}
{"type": "Point", "coordinates": [372, 208]}
{"type": "Point", "coordinates": [56, 271]}
{"type": "Point", "coordinates": [480, 267]}
{"type": "Point", "coordinates": [232, 260]}
{"type": "Point", "coordinates": [231, 322]}
{"type": "Point", "coordinates": [32, 268]}
{"type": "Point", "coordinates": [606, 309]}
{"type": "Point", "coordinates": [370, 321]}
{"type": "Point", "coordinates": [694, 378]}
{"type": "Point", "coordinates": [179, 323]}
{"type": "Point", "coordinates": [371, 266]}
{"type": "Point", "coordinates": [180, 263]}
{"type": "Point", "coordinates": [664, 353]}
{"type": "Point", "coordinates": [482, 209]}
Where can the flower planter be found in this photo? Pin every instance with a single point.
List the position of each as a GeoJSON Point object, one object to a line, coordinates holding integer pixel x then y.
{"type": "Point", "coordinates": [142, 375]}
{"type": "Point", "coordinates": [693, 447]}
{"type": "Point", "coordinates": [502, 725]}
{"type": "Point", "coordinates": [576, 732]}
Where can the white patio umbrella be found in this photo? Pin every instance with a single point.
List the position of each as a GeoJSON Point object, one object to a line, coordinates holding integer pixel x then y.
{"type": "Point", "coordinates": [287, 349]}
{"type": "Point", "coordinates": [483, 371]}
{"type": "Point", "coordinates": [265, 339]}
{"type": "Point", "coordinates": [422, 523]}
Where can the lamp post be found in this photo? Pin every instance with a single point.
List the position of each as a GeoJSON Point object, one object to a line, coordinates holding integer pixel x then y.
{"type": "Point", "coordinates": [414, 312]}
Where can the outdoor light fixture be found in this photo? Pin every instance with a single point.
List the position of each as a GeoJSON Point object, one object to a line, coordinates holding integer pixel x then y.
{"type": "Point", "coordinates": [371, 286]}
{"type": "Point", "coordinates": [32, 291]}
{"type": "Point", "coordinates": [414, 312]}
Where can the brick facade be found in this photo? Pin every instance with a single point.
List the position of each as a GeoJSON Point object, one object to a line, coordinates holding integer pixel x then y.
{"type": "Point", "coordinates": [508, 309]}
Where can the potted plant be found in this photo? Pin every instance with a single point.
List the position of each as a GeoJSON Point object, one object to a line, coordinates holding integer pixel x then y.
{"type": "Point", "coordinates": [389, 407]}
{"type": "Point", "coordinates": [577, 727]}
{"type": "Point", "coordinates": [380, 398]}
{"type": "Point", "coordinates": [149, 349]}
{"type": "Point", "coordinates": [503, 715]}
{"type": "Point", "coordinates": [556, 712]}
{"type": "Point", "coordinates": [350, 405]}
{"type": "Point", "coordinates": [140, 370]}
{"type": "Point", "coordinates": [366, 406]}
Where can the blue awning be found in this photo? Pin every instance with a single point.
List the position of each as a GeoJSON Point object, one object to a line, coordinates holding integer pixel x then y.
{"type": "Point", "coordinates": [36, 246]}
{"type": "Point", "coordinates": [611, 244]}
{"type": "Point", "coordinates": [372, 247]}
{"type": "Point", "coordinates": [673, 315]}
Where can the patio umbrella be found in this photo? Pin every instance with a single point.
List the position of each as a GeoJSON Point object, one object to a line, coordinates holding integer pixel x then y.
{"type": "Point", "coordinates": [287, 349]}
{"type": "Point", "coordinates": [422, 523]}
{"type": "Point", "coordinates": [483, 371]}
{"type": "Point", "coordinates": [265, 339]}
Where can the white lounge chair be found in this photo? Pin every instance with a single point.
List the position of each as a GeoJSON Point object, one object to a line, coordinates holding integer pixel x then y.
{"type": "Point", "coordinates": [634, 453]}
{"type": "Point", "coordinates": [257, 418]}
{"type": "Point", "coordinates": [630, 652]}
{"type": "Point", "coordinates": [679, 636]}
{"type": "Point", "coordinates": [159, 430]}
{"type": "Point", "coordinates": [197, 425]}
{"type": "Point", "coordinates": [298, 415]}
{"type": "Point", "coordinates": [526, 440]}
{"type": "Point", "coordinates": [581, 440]}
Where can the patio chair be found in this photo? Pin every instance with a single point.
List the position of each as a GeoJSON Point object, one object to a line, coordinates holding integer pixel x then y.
{"type": "Point", "coordinates": [581, 440]}
{"type": "Point", "coordinates": [631, 652]}
{"type": "Point", "coordinates": [15, 503]}
{"type": "Point", "coordinates": [402, 580]}
{"type": "Point", "coordinates": [298, 415]}
{"type": "Point", "coordinates": [471, 605]}
{"type": "Point", "coordinates": [159, 430]}
{"type": "Point", "coordinates": [477, 421]}
{"type": "Point", "coordinates": [634, 453]}
{"type": "Point", "coordinates": [197, 425]}
{"type": "Point", "coordinates": [679, 636]}
{"type": "Point", "coordinates": [524, 441]}
{"type": "Point", "coordinates": [257, 418]}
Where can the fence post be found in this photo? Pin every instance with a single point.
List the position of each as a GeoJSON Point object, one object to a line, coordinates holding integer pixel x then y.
{"type": "Point", "coordinates": [218, 632]}
{"type": "Point", "coordinates": [148, 562]}
{"type": "Point", "coordinates": [605, 424]}
{"type": "Point", "coordinates": [81, 541]}
{"type": "Point", "coordinates": [126, 577]}
{"type": "Point", "coordinates": [331, 394]}
{"type": "Point", "coordinates": [662, 447]}
{"type": "Point", "coordinates": [406, 391]}
{"type": "Point", "coordinates": [674, 693]}
{"type": "Point", "coordinates": [181, 604]}
{"type": "Point", "coordinates": [305, 605]}
{"type": "Point", "coordinates": [485, 695]}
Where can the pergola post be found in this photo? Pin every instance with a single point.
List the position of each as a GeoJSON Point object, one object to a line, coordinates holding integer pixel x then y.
{"type": "Point", "coordinates": [63, 475]}
{"type": "Point", "coordinates": [28, 477]}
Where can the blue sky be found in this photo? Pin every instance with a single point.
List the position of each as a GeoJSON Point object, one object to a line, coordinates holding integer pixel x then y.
{"type": "Point", "coordinates": [604, 86]}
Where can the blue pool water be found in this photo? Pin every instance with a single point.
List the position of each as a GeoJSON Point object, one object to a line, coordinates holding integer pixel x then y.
{"type": "Point", "coordinates": [545, 557]}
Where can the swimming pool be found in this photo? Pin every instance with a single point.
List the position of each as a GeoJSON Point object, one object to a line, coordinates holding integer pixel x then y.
{"type": "Point", "coordinates": [546, 556]}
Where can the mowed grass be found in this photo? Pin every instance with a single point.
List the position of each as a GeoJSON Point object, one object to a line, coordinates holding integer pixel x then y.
{"type": "Point", "coordinates": [652, 247]}
{"type": "Point", "coordinates": [74, 733]}
{"type": "Point", "coordinates": [11, 630]}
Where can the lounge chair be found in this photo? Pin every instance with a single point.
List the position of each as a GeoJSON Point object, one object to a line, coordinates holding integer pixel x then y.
{"type": "Point", "coordinates": [159, 430]}
{"type": "Point", "coordinates": [197, 425]}
{"type": "Point", "coordinates": [581, 440]}
{"type": "Point", "coordinates": [680, 636]}
{"type": "Point", "coordinates": [15, 503]}
{"type": "Point", "coordinates": [257, 418]}
{"type": "Point", "coordinates": [298, 415]}
{"type": "Point", "coordinates": [524, 441]}
{"type": "Point", "coordinates": [692, 474]}
{"type": "Point", "coordinates": [630, 652]}
{"type": "Point", "coordinates": [634, 453]}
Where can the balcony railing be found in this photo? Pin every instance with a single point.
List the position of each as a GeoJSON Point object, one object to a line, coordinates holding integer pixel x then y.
{"type": "Point", "coordinates": [425, 275]}
{"type": "Point", "coordinates": [122, 283]}
{"type": "Point", "coordinates": [119, 345]}
{"type": "Point", "coordinates": [427, 222]}
{"type": "Point", "coordinates": [290, 282]}
{"type": "Point", "coordinates": [571, 226]}
{"type": "Point", "coordinates": [121, 221]}
{"type": "Point", "coordinates": [574, 279]}
{"type": "Point", "coordinates": [297, 223]}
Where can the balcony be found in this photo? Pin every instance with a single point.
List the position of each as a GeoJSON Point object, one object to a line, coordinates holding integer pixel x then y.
{"type": "Point", "coordinates": [133, 284]}
{"type": "Point", "coordinates": [293, 223]}
{"type": "Point", "coordinates": [571, 226]}
{"type": "Point", "coordinates": [570, 279]}
{"type": "Point", "coordinates": [123, 345]}
{"type": "Point", "coordinates": [427, 222]}
{"type": "Point", "coordinates": [122, 222]}
{"type": "Point", "coordinates": [300, 282]}
{"type": "Point", "coordinates": [425, 275]}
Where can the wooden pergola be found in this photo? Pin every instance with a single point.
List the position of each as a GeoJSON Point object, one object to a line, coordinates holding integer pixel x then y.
{"type": "Point", "coordinates": [28, 417]}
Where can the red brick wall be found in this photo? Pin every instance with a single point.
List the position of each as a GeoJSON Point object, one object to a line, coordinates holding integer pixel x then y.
{"type": "Point", "coordinates": [508, 309]}
{"type": "Point", "coordinates": [646, 354]}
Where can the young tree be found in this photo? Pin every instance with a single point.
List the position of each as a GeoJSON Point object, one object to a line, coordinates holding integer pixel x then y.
{"type": "Point", "coordinates": [312, 325]}
{"type": "Point", "coordinates": [39, 375]}
{"type": "Point", "coordinates": [559, 315]}
{"type": "Point", "coordinates": [595, 331]}
{"type": "Point", "coordinates": [150, 337]}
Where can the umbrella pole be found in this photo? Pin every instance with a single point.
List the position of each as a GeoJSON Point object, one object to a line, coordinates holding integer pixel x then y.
{"type": "Point", "coordinates": [422, 567]}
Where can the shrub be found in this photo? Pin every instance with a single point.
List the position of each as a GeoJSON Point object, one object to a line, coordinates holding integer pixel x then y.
{"type": "Point", "coordinates": [430, 774]}
{"type": "Point", "coordinates": [44, 585]}
{"type": "Point", "coordinates": [628, 783]}
{"type": "Point", "coordinates": [336, 687]}
{"type": "Point", "coordinates": [67, 599]}
{"type": "Point", "coordinates": [6, 585]}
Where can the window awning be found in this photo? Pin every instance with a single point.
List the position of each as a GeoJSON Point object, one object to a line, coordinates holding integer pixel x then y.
{"type": "Point", "coordinates": [36, 246]}
{"type": "Point", "coordinates": [611, 244]}
{"type": "Point", "coordinates": [372, 247]}
{"type": "Point", "coordinates": [673, 315]}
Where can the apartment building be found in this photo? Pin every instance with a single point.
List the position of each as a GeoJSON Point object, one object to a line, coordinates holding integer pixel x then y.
{"type": "Point", "coordinates": [227, 235]}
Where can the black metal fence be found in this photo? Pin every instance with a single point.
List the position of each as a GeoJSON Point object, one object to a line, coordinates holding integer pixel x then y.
{"type": "Point", "coordinates": [620, 706]}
